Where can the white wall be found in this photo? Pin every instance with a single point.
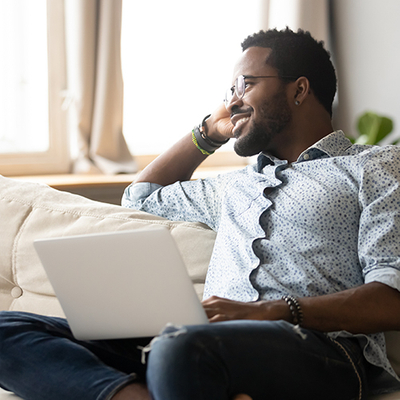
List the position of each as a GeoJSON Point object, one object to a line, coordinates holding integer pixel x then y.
{"type": "Point", "coordinates": [367, 52]}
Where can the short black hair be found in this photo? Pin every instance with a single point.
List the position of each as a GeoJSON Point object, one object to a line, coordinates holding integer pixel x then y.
{"type": "Point", "coordinates": [299, 54]}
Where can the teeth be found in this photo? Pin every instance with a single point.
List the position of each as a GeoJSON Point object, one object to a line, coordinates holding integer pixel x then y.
{"type": "Point", "coordinates": [242, 121]}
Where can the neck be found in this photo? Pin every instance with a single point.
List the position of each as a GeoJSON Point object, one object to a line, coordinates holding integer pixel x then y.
{"type": "Point", "coordinates": [303, 133]}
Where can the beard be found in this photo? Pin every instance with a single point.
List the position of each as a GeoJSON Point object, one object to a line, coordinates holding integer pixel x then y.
{"type": "Point", "coordinates": [275, 116]}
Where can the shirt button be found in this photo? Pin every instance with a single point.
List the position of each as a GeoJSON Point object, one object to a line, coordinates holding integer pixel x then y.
{"type": "Point", "coordinates": [16, 292]}
{"type": "Point", "coordinates": [255, 297]}
{"type": "Point", "coordinates": [306, 156]}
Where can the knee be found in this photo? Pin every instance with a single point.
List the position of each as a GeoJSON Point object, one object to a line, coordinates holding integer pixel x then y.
{"type": "Point", "coordinates": [14, 326]}
{"type": "Point", "coordinates": [12, 320]}
{"type": "Point", "coordinates": [180, 351]}
{"type": "Point", "coordinates": [183, 362]}
{"type": "Point", "coordinates": [176, 345]}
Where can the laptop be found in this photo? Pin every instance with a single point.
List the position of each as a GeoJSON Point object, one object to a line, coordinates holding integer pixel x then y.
{"type": "Point", "coordinates": [120, 284]}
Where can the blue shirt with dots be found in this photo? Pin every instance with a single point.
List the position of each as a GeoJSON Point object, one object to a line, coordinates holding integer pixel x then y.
{"type": "Point", "coordinates": [325, 223]}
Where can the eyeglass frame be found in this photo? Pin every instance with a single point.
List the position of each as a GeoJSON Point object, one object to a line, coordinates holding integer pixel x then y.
{"type": "Point", "coordinates": [233, 93]}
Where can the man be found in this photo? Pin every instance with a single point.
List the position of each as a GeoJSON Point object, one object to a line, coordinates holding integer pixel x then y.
{"type": "Point", "coordinates": [305, 269]}
{"type": "Point", "coordinates": [319, 226]}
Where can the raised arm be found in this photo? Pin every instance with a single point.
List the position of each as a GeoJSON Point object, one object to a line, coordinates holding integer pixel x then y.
{"type": "Point", "coordinates": [180, 161]}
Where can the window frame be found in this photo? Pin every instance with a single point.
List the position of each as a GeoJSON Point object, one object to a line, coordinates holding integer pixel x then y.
{"type": "Point", "coordinates": [57, 158]}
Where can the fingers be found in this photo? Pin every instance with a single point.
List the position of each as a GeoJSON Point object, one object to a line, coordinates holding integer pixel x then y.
{"type": "Point", "coordinates": [212, 300]}
{"type": "Point", "coordinates": [213, 307]}
{"type": "Point", "coordinates": [220, 309]}
{"type": "Point", "coordinates": [219, 124]}
{"type": "Point", "coordinates": [217, 318]}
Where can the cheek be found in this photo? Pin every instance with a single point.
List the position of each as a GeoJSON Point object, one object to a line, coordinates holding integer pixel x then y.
{"type": "Point", "coordinates": [278, 106]}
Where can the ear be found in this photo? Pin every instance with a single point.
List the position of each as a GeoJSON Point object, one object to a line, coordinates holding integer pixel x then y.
{"type": "Point", "coordinates": [301, 89]}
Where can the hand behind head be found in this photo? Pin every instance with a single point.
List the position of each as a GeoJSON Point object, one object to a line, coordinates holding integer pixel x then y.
{"type": "Point", "coordinates": [219, 126]}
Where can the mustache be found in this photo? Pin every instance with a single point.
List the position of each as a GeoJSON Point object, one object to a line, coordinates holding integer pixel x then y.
{"type": "Point", "coordinates": [236, 110]}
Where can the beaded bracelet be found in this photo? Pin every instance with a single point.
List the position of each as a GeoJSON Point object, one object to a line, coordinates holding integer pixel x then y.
{"type": "Point", "coordinates": [204, 143]}
{"type": "Point", "coordinates": [195, 142]}
{"type": "Point", "coordinates": [295, 309]}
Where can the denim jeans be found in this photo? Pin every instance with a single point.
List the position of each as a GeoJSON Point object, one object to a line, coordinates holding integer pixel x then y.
{"type": "Point", "coordinates": [40, 359]}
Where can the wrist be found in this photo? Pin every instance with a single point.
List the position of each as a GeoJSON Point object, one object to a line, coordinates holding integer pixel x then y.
{"type": "Point", "coordinates": [295, 309]}
{"type": "Point", "coordinates": [203, 141]}
{"type": "Point", "coordinates": [215, 138]}
{"type": "Point", "coordinates": [275, 310]}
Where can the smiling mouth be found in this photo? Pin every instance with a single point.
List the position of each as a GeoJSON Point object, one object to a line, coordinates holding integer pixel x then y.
{"type": "Point", "coordinates": [239, 123]}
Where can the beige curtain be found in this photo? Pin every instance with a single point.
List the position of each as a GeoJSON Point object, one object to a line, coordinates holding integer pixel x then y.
{"type": "Point", "coordinates": [94, 98]}
{"type": "Point", "coordinates": [309, 15]}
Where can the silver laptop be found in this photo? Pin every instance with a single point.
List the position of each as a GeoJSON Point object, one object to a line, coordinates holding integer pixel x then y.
{"type": "Point", "coordinates": [121, 284]}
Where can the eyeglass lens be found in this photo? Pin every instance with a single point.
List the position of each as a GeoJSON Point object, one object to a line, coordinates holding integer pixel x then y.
{"type": "Point", "coordinates": [240, 86]}
{"type": "Point", "coordinates": [238, 89]}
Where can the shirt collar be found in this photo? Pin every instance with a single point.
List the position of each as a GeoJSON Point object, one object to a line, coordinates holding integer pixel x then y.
{"type": "Point", "coordinates": [332, 145]}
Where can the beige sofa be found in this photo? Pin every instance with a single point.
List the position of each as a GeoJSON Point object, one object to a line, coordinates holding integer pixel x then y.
{"type": "Point", "coordinates": [29, 211]}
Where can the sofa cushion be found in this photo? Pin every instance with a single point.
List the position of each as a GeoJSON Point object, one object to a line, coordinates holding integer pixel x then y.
{"type": "Point", "coordinates": [4, 395]}
{"type": "Point", "coordinates": [30, 211]}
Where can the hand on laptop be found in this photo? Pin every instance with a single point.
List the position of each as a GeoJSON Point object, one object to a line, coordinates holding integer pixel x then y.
{"type": "Point", "coordinates": [220, 309]}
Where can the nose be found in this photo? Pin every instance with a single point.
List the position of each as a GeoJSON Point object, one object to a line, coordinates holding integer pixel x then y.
{"type": "Point", "coordinates": [234, 101]}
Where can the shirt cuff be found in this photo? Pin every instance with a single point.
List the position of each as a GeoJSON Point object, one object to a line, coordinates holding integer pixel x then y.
{"type": "Point", "coordinates": [136, 193]}
{"type": "Point", "coordinates": [388, 276]}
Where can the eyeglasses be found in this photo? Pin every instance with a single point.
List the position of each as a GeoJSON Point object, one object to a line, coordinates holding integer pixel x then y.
{"type": "Point", "coordinates": [239, 88]}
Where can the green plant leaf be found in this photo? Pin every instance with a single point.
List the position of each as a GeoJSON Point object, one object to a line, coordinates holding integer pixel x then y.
{"type": "Point", "coordinates": [373, 128]}
{"type": "Point", "coordinates": [385, 128]}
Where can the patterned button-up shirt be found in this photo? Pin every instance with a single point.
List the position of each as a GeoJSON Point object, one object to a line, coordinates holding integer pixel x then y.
{"type": "Point", "coordinates": [325, 223]}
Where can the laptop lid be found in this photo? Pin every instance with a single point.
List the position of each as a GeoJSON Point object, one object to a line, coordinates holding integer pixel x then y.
{"type": "Point", "coordinates": [121, 284]}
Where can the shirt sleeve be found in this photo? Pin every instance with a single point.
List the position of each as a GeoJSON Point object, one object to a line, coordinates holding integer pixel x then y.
{"type": "Point", "coordinates": [388, 276]}
{"type": "Point", "coordinates": [191, 201]}
{"type": "Point", "coordinates": [379, 229]}
{"type": "Point", "coordinates": [135, 194]}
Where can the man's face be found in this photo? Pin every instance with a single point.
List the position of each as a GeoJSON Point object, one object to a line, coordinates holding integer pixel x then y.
{"type": "Point", "coordinates": [263, 112]}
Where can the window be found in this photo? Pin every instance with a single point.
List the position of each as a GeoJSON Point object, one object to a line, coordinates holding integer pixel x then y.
{"type": "Point", "coordinates": [32, 125]}
{"type": "Point", "coordinates": [177, 61]}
